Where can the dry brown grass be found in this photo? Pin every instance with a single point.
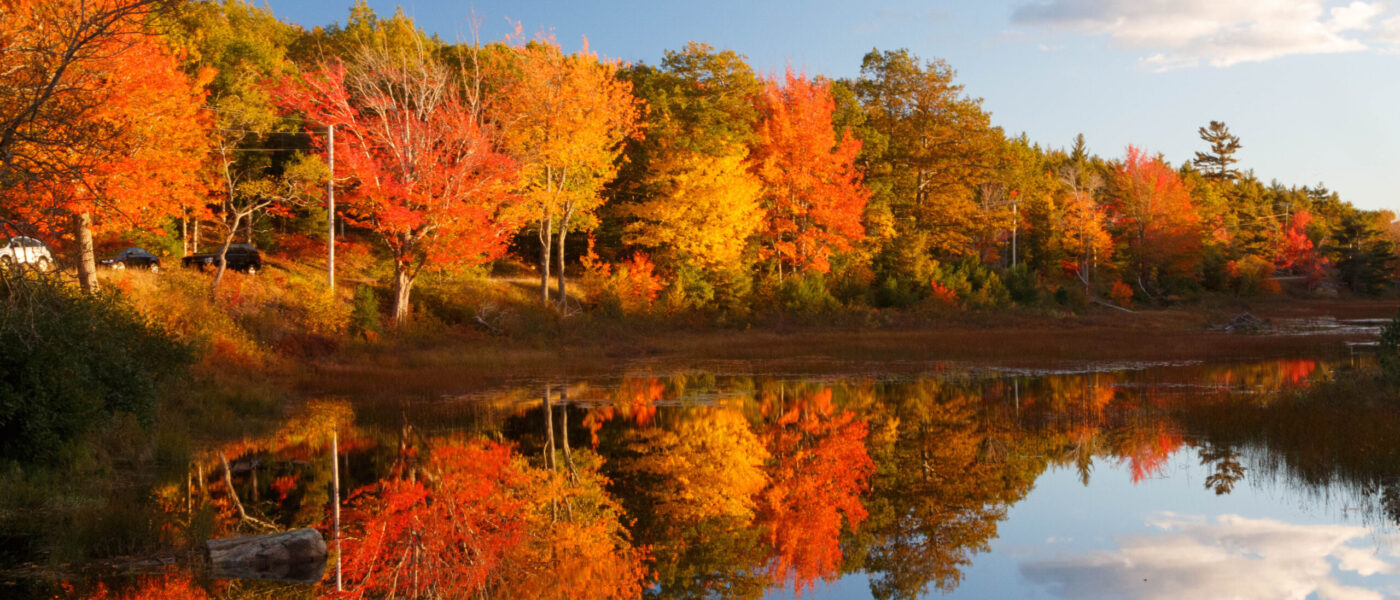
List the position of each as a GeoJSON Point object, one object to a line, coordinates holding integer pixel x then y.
{"type": "Point", "coordinates": [1025, 340]}
{"type": "Point", "coordinates": [255, 315]}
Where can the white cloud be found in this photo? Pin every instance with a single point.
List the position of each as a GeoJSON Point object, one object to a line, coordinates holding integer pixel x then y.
{"type": "Point", "coordinates": [1389, 32]}
{"type": "Point", "coordinates": [1181, 33]}
{"type": "Point", "coordinates": [1357, 15]}
{"type": "Point", "coordinates": [1230, 557]}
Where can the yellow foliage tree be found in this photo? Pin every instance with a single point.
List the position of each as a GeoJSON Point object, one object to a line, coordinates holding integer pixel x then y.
{"type": "Point", "coordinates": [711, 466]}
{"type": "Point", "coordinates": [565, 118]}
{"type": "Point", "coordinates": [705, 210]}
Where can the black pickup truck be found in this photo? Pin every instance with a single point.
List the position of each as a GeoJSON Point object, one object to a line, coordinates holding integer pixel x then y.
{"type": "Point", "coordinates": [240, 257]}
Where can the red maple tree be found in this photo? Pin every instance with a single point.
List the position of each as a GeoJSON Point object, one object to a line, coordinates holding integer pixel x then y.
{"type": "Point", "coordinates": [813, 194]}
{"type": "Point", "coordinates": [441, 538]}
{"type": "Point", "coordinates": [819, 470]}
{"type": "Point", "coordinates": [425, 176]}
{"type": "Point", "coordinates": [1156, 219]}
{"type": "Point", "coordinates": [1298, 252]}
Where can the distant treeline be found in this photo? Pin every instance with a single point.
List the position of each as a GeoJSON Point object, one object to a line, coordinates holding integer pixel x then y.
{"type": "Point", "coordinates": [693, 184]}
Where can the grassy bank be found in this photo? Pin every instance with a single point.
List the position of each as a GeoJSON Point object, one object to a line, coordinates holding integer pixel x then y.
{"type": "Point", "coordinates": [472, 331]}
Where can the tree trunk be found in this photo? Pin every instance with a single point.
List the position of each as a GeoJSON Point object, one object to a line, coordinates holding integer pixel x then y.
{"type": "Point", "coordinates": [563, 292]}
{"type": "Point", "coordinates": [298, 556]}
{"type": "Point", "coordinates": [403, 285]}
{"type": "Point", "coordinates": [564, 429]}
{"type": "Point", "coordinates": [546, 236]}
{"type": "Point", "coordinates": [549, 430]}
{"type": "Point", "coordinates": [335, 504]}
{"type": "Point", "coordinates": [87, 262]}
{"type": "Point", "coordinates": [223, 253]}
{"type": "Point", "coordinates": [233, 496]}
{"type": "Point", "coordinates": [563, 232]}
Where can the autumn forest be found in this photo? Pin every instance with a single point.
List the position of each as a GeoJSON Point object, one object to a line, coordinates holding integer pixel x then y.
{"type": "Point", "coordinates": [463, 245]}
{"type": "Point", "coordinates": [694, 184]}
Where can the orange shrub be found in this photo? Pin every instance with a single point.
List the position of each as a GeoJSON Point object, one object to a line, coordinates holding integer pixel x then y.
{"type": "Point", "coordinates": [943, 295]}
{"type": "Point", "coordinates": [1250, 276]}
{"type": "Point", "coordinates": [1122, 294]}
{"type": "Point", "coordinates": [630, 286]}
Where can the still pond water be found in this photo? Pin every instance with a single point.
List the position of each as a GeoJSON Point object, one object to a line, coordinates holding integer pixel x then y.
{"type": "Point", "coordinates": [1184, 480]}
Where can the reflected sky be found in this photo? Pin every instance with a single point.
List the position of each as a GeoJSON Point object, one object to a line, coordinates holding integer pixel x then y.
{"type": "Point", "coordinates": [1168, 536]}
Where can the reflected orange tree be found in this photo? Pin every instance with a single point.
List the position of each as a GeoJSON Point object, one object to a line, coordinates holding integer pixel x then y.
{"type": "Point", "coordinates": [818, 472]}
{"type": "Point", "coordinates": [472, 518]}
{"type": "Point", "coordinates": [172, 587]}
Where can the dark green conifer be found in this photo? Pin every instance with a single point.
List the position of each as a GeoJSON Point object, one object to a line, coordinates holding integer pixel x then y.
{"type": "Point", "coordinates": [1216, 163]}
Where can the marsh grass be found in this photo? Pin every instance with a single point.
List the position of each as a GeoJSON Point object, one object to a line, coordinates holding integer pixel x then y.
{"type": "Point", "coordinates": [890, 343]}
{"type": "Point", "coordinates": [1335, 434]}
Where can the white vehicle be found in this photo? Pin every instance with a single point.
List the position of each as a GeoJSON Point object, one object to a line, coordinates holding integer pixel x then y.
{"type": "Point", "coordinates": [22, 250]}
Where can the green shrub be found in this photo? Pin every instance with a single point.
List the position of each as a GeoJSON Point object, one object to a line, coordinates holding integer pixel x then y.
{"type": "Point", "coordinates": [1023, 283]}
{"type": "Point", "coordinates": [733, 291]}
{"type": "Point", "coordinates": [70, 361]}
{"type": "Point", "coordinates": [1215, 270]}
{"type": "Point", "coordinates": [894, 293]}
{"type": "Point", "coordinates": [689, 289]}
{"type": "Point", "coordinates": [973, 283]}
{"type": "Point", "coordinates": [905, 271]}
{"type": "Point", "coordinates": [1071, 295]}
{"type": "Point", "coordinates": [364, 312]}
{"type": "Point", "coordinates": [807, 295]}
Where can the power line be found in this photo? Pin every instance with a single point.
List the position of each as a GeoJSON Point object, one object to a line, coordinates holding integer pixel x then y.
{"type": "Point", "coordinates": [263, 132]}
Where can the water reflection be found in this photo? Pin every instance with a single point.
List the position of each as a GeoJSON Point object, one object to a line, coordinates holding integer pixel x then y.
{"type": "Point", "coordinates": [696, 485]}
{"type": "Point", "coordinates": [1228, 556]}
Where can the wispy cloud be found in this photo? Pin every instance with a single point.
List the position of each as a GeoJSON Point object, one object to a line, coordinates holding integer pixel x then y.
{"type": "Point", "coordinates": [1230, 557]}
{"type": "Point", "coordinates": [1389, 33]}
{"type": "Point", "coordinates": [1183, 33]}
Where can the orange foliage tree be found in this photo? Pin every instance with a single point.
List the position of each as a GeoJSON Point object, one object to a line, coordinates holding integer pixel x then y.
{"type": "Point", "coordinates": [819, 471]}
{"type": "Point", "coordinates": [1157, 220]}
{"type": "Point", "coordinates": [577, 546]}
{"type": "Point", "coordinates": [565, 119]}
{"type": "Point", "coordinates": [630, 286]}
{"type": "Point", "coordinates": [476, 520]}
{"type": "Point", "coordinates": [405, 536]}
{"type": "Point", "coordinates": [1146, 448]}
{"type": "Point", "coordinates": [427, 180]}
{"type": "Point", "coordinates": [1084, 236]}
{"type": "Point", "coordinates": [1298, 252]}
{"type": "Point", "coordinates": [812, 190]}
{"type": "Point", "coordinates": [171, 587]}
{"type": "Point", "coordinates": [98, 125]}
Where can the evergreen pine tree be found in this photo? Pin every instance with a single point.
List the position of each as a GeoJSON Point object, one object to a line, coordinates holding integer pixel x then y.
{"type": "Point", "coordinates": [1216, 163]}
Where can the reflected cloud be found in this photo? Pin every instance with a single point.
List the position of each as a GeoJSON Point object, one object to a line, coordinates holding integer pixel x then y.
{"type": "Point", "coordinates": [1227, 557]}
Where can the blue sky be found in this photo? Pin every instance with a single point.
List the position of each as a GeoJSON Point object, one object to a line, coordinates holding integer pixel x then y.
{"type": "Point", "coordinates": [1311, 87]}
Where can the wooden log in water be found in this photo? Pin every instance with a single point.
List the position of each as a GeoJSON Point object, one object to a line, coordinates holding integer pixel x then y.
{"type": "Point", "coordinates": [296, 556]}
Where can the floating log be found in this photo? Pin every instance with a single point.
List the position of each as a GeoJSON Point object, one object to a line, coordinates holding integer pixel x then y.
{"type": "Point", "coordinates": [296, 556]}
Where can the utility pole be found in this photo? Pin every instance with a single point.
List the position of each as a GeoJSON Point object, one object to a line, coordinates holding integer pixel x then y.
{"type": "Point", "coordinates": [335, 499]}
{"type": "Point", "coordinates": [330, 209]}
{"type": "Point", "coordinates": [1015, 224]}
